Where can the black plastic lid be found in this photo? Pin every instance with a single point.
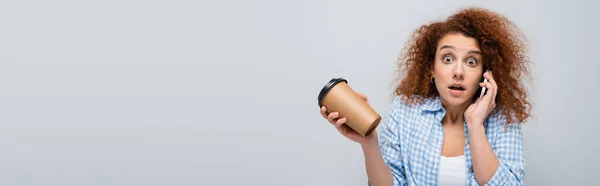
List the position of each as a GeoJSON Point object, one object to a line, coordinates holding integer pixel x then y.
{"type": "Point", "coordinates": [328, 87]}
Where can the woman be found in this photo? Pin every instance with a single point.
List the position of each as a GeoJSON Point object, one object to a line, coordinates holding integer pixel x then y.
{"type": "Point", "coordinates": [439, 131]}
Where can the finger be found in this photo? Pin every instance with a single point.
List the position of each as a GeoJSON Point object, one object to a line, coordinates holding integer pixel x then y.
{"type": "Point", "coordinates": [343, 129]}
{"type": "Point", "coordinates": [324, 112]}
{"type": "Point", "coordinates": [476, 101]}
{"type": "Point", "coordinates": [340, 122]}
{"type": "Point", "coordinates": [332, 117]}
{"type": "Point", "coordinates": [332, 121]}
{"type": "Point", "coordinates": [494, 85]}
{"type": "Point", "coordinates": [490, 77]}
{"type": "Point", "coordinates": [363, 97]}
{"type": "Point", "coordinates": [487, 85]}
{"type": "Point", "coordinates": [489, 93]}
{"type": "Point", "coordinates": [490, 74]}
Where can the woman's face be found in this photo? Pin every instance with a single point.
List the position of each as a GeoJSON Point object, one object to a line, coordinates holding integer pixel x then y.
{"type": "Point", "coordinates": [458, 68]}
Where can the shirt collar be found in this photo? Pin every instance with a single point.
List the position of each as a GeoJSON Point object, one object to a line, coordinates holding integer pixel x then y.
{"type": "Point", "coordinates": [431, 104]}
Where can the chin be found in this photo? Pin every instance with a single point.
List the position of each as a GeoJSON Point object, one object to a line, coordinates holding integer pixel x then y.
{"type": "Point", "coordinates": [455, 101]}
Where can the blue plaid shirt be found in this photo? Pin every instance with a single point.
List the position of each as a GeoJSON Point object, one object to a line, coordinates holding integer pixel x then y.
{"type": "Point", "coordinates": [411, 140]}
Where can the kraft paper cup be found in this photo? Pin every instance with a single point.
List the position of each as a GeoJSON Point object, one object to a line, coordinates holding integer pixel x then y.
{"type": "Point", "coordinates": [337, 96]}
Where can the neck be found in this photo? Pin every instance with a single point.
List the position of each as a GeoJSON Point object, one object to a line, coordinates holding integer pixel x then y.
{"type": "Point", "coordinates": [454, 113]}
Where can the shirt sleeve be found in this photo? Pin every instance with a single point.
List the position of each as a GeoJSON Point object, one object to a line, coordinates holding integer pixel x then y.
{"type": "Point", "coordinates": [508, 148]}
{"type": "Point", "coordinates": [389, 142]}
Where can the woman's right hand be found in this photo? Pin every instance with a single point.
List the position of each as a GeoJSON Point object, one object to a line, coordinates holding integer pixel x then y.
{"type": "Point", "coordinates": [340, 124]}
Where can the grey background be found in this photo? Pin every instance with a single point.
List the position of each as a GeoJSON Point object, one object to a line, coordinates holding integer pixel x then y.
{"type": "Point", "coordinates": [224, 92]}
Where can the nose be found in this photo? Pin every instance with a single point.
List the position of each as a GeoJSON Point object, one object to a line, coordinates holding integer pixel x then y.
{"type": "Point", "coordinates": [458, 72]}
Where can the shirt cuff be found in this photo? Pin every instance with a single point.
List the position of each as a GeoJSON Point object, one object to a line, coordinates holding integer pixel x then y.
{"type": "Point", "coordinates": [500, 175]}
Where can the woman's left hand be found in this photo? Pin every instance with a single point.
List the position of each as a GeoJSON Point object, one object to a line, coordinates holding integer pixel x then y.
{"type": "Point", "coordinates": [477, 112]}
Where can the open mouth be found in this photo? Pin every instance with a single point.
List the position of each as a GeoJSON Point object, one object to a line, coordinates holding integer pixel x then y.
{"type": "Point", "coordinates": [456, 87]}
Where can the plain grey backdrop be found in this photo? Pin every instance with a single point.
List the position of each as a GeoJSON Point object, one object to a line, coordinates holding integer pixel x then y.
{"type": "Point", "coordinates": [224, 92]}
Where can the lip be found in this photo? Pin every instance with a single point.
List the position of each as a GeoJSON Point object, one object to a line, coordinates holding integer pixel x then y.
{"type": "Point", "coordinates": [457, 84]}
{"type": "Point", "coordinates": [456, 93]}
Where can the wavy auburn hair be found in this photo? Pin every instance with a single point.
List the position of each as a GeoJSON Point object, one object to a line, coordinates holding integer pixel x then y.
{"type": "Point", "coordinates": [503, 49]}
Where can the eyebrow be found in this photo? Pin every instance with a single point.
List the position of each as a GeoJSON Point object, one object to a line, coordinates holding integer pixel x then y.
{"type": "Point", "coordinates": [470, 51]}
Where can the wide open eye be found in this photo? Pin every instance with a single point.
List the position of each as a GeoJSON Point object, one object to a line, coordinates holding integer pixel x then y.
{"type": "Point", "coordinates": [448, 59]}
{"type": "Point", "coordinates": [471, 62]}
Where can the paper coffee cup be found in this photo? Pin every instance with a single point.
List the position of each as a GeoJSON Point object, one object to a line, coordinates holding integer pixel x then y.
{"type": "Point", "coordinates": [337, 96]}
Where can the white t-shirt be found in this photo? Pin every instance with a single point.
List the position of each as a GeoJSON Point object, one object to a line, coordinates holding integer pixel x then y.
{"type": "Point", "coordinates": [453, 171]}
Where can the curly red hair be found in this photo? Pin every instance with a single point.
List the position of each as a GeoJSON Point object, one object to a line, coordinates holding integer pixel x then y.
{"type": "Point", "coordinates": [503, 49]}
